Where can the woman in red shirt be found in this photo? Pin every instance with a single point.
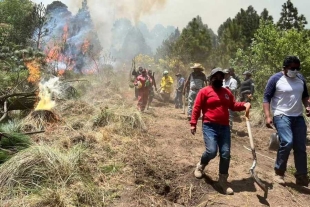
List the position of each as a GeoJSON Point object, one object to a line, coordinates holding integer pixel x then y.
{"type": "Point", "coordinates": [214, 102]}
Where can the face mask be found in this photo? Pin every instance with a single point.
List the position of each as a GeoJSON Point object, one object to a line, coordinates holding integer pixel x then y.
{"type": "Point", "coordinates": [292, 73]}
{"type": "Point", "coordinates": [217, 83]}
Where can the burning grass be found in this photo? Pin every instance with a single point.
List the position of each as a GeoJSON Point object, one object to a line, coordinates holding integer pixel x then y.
{"type": "Point", "coordinates": [38, 120]}
{"type": "Point", "coordinates": [80, 159]}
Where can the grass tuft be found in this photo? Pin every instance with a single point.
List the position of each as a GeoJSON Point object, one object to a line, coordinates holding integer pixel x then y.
{"type": "Point", "coordinates": [38, 164]}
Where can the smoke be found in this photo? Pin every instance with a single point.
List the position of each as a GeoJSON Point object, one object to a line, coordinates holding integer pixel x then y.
{"type": "Point", "coordinates": [48, 89]}
{"type": "Point", "coordinates": [104, 13]}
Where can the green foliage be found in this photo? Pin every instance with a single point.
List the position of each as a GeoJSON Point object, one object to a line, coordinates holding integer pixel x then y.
{"type": "Point", "coordinates": [268, 50]}
{"type": "Point", "coordinates": [18, 16]}
{"type": "Point", "coordinates": [289, 17]}
{"type": "Point", "coordinates": [265, 16]}
{"type": "Point", "coordinates": [11, 141]}
{"type": "Point", "coordinates": [236, 33]}
{"type": "Point", "coordinates": [13, 72]}
{"type": "Point", "coordinates": [194, 44]}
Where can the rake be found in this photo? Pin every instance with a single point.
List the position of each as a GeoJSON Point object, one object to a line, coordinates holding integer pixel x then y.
{"type": "Point", "coordinates": [252, 169]}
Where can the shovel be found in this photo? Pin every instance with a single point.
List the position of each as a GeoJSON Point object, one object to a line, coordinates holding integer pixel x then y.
{"type": "Point", "coordinates": [253, 174]}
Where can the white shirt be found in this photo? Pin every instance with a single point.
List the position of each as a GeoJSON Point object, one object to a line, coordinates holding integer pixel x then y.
{"type": "Point", "coordinates": [287, 99]}
{"type": "Point", "coordinates": [231, 83]}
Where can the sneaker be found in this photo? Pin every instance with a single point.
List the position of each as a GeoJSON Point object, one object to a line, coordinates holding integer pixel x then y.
{"type": "Point", "coordinates": [279, 179]}
{"type": "Point", "coordinates": [199, 170]}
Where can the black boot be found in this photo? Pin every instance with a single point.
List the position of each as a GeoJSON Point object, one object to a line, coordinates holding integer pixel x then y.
{"type": "Point", "coordinates": [302, 180]}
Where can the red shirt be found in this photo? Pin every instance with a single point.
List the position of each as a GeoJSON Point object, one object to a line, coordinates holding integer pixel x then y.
{"type": "Point", "coordinates": [143, 80]}
{"type": "Point", "coordinates": [214, 105]}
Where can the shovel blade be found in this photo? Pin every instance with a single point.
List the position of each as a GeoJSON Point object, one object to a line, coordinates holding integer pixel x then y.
{"type": "Point", "coordinates": [259, 183]}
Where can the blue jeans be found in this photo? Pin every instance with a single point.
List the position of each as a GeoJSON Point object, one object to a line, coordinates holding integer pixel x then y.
{"type": "Point", "coordinates": [292, 133]}
{"type": "Point", "coordinates": [216, 137]}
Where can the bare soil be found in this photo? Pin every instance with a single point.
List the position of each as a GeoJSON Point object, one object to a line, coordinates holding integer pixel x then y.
{"type": "Point", "coordinates": [161, 165]}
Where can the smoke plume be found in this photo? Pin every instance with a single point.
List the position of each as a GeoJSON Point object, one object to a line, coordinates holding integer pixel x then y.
{"type": "Point", "coordinates": [104, 13]}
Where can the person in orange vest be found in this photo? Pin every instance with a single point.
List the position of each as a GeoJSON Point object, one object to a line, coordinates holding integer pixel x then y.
{"type": "Point", "coordinates": [143, 83]}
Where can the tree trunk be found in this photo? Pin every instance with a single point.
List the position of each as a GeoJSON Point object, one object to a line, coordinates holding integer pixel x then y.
{"type": "Point", "coordinates": [21, 103]}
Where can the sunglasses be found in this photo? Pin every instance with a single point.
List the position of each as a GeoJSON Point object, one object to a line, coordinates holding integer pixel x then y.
{"type": "Point", "coordinates": [298, 69]}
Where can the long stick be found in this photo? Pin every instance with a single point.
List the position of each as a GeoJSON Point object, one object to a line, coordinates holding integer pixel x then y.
{"type": "Point", "coordinates": [184, 103]}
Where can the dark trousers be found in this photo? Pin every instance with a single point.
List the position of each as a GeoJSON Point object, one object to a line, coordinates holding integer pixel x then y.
{"type": "Point", "coordinates": [178, 99]}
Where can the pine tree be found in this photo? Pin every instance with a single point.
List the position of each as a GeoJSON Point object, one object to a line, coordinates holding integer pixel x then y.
{"type": "Point", "coordinates": [248, 20]}
{"type": "Point", "coordinates": [265, 16]}
{"type": "Point", "coordinates": [290, 19]}
{"type": "Point", "coordinates": [194, 44]}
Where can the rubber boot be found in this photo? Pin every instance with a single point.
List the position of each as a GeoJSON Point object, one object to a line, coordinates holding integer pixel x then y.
{"type": "Point", "coordinates": [199, 170]}
{"type": "Point", "coordinates": [223, 184]}
{"type": "Point", "coordinates": [302, 180]}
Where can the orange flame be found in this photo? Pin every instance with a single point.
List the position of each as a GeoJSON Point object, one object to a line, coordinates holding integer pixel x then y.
{"type": "Point", "coordinates": [85, 46]}
{"type": "Point", "coordinates": [53, 54]}
{"type": "Point", "coordinates": [61, 72]}
{"type": "Point", "coordinates": [34, 71]}
{"type": "Point", "coordinates": [65, 34]}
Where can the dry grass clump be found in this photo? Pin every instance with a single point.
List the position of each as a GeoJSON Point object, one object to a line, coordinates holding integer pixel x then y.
{"type": "Point", "coordinates": [38, 164]}
{"type": "Point", "coordinates": [38, 120]}
{"type": "Point", "coordinates": [45, 176]}
{"type": "Point", "coordinates": [75, 108]}
{"type": "Point", "coordinates": [124, 121]}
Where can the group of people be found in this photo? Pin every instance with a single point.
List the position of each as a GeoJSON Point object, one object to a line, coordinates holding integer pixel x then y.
{"type": "Point", "coordinates": [286, 95]}
{"type": "Point", "coordinates": [285, 98]}
{"type": "Point", "coordinates": [144, 82]}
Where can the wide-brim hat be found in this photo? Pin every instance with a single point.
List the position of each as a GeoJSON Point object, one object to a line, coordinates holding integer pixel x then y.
{"type": "Point", "coordinates": [226, 71]}
{"type": "Point", "coordinates": [178, 74]}
{"type": "Point", "coordinates": [216, 70]}
{"type": "Point", "coordinates": [247, 73]}
{"type": "Point", "coordinates": [198, 66]}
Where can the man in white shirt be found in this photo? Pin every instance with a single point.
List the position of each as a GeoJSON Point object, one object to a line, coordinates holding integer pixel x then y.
{"type": "Point", "coordinates": [230, 83]}
{"type": "Point", "coordinates": [286, 93]}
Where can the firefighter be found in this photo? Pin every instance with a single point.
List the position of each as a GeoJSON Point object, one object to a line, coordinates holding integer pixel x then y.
{"type": "Point", "coordinates": [166, 86]}
{"type": "Point", "coordinates": [143, 83]}
{"type": "Point", "coordinates": [135, 74]}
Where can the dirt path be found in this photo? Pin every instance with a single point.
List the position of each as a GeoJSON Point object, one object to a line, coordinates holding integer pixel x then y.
{"type": "Point", "coordinates": [174, 152]}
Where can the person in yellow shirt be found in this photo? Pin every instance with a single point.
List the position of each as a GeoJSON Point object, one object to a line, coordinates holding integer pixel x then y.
{"type": "Point", "coordinates": [166, 86]}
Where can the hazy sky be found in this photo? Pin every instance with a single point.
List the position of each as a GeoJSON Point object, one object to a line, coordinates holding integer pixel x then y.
{"type": "Point", "coordinates": [213, 12]}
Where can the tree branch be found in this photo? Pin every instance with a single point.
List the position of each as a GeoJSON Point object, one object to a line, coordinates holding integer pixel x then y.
{"type": "Point", "coordinates": [17, 94]}
{"type": "Point", "coordinates": [5, 109]}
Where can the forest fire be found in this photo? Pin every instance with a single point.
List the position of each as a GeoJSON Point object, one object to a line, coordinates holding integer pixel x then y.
{"type": "Point", "coordinates": [85, 46]}
{"type": "Point", "coordinates": [48, 90]}
{"type": "Point", "coordinates": [34, 71]}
